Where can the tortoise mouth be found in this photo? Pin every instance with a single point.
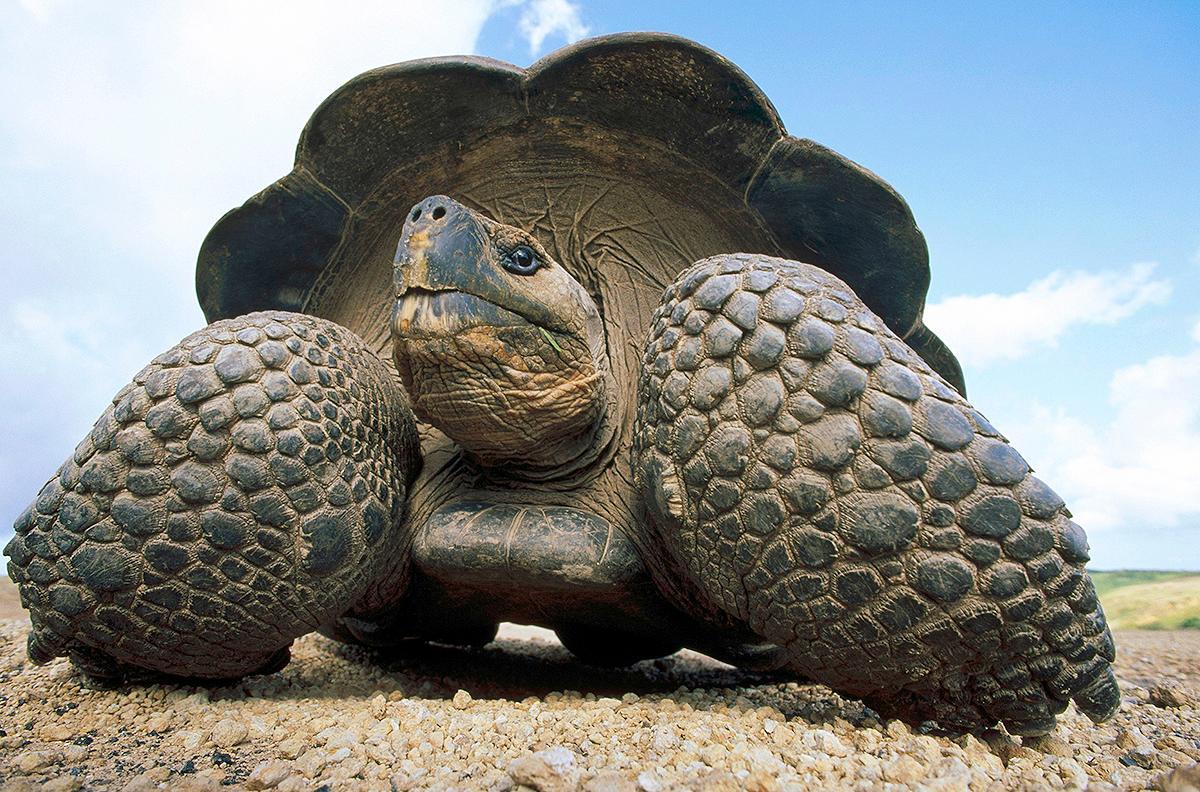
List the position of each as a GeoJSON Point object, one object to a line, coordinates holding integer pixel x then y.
{"type": "Point", "coordinates": [422, 313]}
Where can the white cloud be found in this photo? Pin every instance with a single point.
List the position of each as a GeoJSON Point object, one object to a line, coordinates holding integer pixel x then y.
{"type": "Point", "coordinates": [64, 361]}
{"type": "Point", "coordinates": [38, 9]}
{"type": "Point", "coordinates": [985, 328]}
{"type": "Point", "coordinates": [128, 130]}
{"type": "Point", "coordinates": [543, 18]}
{"type": "Point", "coordinates": [183, 110]}
{"type": "Point", "coordinates": [1138, 472]}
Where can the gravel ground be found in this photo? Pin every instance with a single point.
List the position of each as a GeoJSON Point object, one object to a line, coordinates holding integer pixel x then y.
{"type": "Point", "coordinates": [521, 713]}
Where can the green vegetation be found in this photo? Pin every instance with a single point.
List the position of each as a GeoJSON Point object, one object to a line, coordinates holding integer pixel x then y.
{"type": "Point", "coordinates": [1136, 600]}
{"type": "Point", "coordinates": [1108, 581]}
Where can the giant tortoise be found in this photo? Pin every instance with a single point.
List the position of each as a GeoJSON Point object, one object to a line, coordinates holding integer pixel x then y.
{"type": "Point", "coordinates": [656, 377]}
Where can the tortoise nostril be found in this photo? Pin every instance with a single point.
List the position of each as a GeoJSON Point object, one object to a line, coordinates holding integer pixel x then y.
{"type": "Point", "coordinates": [416, 214]}
{"type": "Point", "coordinates": [439, 213]}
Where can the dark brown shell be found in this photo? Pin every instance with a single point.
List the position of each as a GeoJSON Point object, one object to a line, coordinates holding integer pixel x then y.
{"type": "Point", "coordinates": [630, 156]}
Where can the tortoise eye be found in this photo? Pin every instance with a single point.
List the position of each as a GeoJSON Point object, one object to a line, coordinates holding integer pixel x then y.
{"type": "Point", "coordinates": [522, 261]}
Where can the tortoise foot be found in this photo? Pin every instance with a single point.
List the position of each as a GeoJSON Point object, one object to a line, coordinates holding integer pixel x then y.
{"type": "Point", "coordinates": [808, 473]}
{"type": "Point", "coordinates": [246, 487]}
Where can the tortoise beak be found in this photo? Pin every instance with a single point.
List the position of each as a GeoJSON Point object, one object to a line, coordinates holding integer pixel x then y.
{"type": "Point", "coordinates": [441, 247]}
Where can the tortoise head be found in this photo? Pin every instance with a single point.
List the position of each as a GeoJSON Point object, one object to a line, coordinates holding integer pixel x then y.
{"type": "Point", "coordinates": [497, 344]}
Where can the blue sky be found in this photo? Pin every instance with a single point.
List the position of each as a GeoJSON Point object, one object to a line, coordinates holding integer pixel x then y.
{"type": "Point", "coordinates": [1050, 153]}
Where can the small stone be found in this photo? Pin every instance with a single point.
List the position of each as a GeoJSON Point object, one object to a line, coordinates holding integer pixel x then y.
{"type": "Point", "coordinates": [311, 763]}
{"type": "Point", "coordinates": [828, 743]}
{"type": "Point", "coordinates": [1131, 738]}
{"type": "Point", "coordinates": [269, 774]}
{"type": "Point", "coordinates": [904, 770]}
{"type": "Point", "coordinates": [32, 761]}
{"type": "Point", "coordinates": [191, 740]}
{"type": "Point", "coordinates": [1142, 757]}
{"type": "Point", "coordinates": [1170, 694]}
{"type": "Point", "coordinates": [57, 731]}
{"type": "Point", "coordinates": [1050, 744]}
{"type": "Point", "coordinates": [378, 706]}
{"type": "Point", "coordinates": [461, 700]}
{"type": "Point", "coordinates": [1181, 779]}
{"type": "Point", "coordinates": [291, 748]}
{"type": "Point", "coordinates": [64, 783]}
{"type": "Point", "coordinates": [228, 733]}
{"type": "Point", "coordinates": [648, 782]}
{"type": "Point", "coordinates": [610, 781]}
{"type": "Point", "coordinates": [535, 772]}
{"type": "Point", "coordinates": [142, 782]}
{"type": "Point", "coordinates": [719, 781]}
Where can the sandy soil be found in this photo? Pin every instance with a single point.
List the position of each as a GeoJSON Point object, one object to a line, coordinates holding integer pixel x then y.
{"type": "Point", "coordinates": [522, 713]}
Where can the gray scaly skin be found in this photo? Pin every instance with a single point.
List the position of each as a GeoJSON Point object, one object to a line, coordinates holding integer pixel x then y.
{"type": "Point", "coordinates": [808, 474]}
{"type": "Point", "coordinates": [240, 492]}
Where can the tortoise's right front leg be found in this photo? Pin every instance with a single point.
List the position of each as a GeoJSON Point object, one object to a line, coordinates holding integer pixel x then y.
{"type": "Point", "coordinates": [807, 474]}
{"type": "Point", "coordinates": [246, 488]}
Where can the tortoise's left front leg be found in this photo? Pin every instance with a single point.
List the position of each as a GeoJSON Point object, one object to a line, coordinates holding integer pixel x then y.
{"type": "Point", "coordinates": [246, 488]}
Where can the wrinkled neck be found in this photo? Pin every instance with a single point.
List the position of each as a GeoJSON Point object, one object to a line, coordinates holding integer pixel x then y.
{"type": "Point", "coordinates": [521, 403]}
{"type": "Point", "coordinates": [563, 459]}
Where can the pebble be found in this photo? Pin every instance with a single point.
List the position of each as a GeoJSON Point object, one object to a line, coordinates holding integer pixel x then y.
{"type": "Point", "coordinates": [537, 720]}
{"type": "Point", "coordinates": [228, 733]}
{"type": "Point", "coordinates": [610, 781]}
{"type": "Point", "coordinates": [1131, 737]}
{"type": "Point", "coordinates": [648, 782]}
{"type": "Point", "coordinates": [1142, 756]}
{"type": "Point", "coordinates": [269, 774]}
{"type": "Point", "coordinates": [1170, 694]}
{"type": "Point", "coordinates": [31, 761]}
{"type": "Point", "coordinates": [535, 772]}
{"type": "Point", "coordinates": [145, 782]}
{"type": "Point", "coordinates": [57, 732]}
{"type": "Point", "coordinates": [1050, 744]}
{"type": "Point", "coordinates": [1181, 779]}
{"type": "Point", "coordinates": [63, 783]}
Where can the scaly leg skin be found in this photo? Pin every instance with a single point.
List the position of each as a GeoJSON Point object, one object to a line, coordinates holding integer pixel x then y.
{"type": "Point", "coordinates": [806, 472]}
{"type": "Point", "coordinates": [246, 488]}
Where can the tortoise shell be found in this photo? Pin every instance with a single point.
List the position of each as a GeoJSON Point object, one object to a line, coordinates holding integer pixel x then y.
{"type": "Point", "coordinates": [629, 156]}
